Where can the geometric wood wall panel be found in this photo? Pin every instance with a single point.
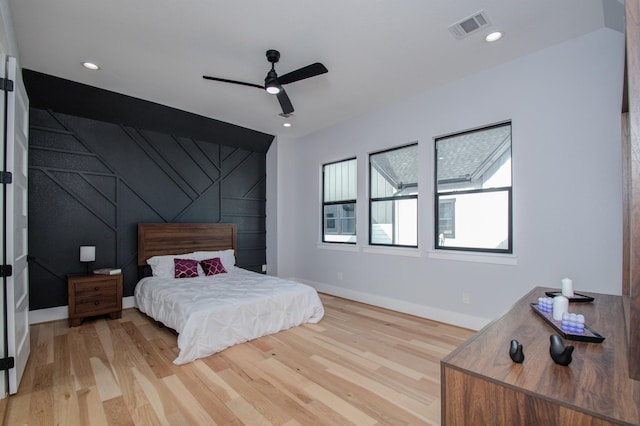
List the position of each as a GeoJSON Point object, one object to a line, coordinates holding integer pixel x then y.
{"type": "Point", "coordinates": [91, 182]}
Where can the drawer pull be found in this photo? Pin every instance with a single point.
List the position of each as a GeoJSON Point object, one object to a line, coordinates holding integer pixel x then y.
{"type": "Point", "coordinates": [96, 288]}
{"type": "Point", "coordinates": [97, 302]}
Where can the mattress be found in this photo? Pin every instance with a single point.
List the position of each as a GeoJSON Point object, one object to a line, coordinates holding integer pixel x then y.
{"type": "Point", "coordinates": [213, 313]}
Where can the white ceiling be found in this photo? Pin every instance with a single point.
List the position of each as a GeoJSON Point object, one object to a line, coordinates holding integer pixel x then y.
{"type": "Point", "coordinates": [377, 51]}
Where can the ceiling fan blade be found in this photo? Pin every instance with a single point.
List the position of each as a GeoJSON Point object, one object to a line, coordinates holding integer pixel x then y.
{"type": "Point", "coordinates": [302, 73]}
{"type": "Point", "coordinates": [224, 80]}
{"type": "Point", "coordinates": [285, 102]}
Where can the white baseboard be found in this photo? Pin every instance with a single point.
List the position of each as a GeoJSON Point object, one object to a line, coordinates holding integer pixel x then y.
{"type": "Point", "coordinates": [429, 312]}
{"type": "Point", "coordinates": [49, 314]}
{"type": "Point", "coordinates": [129, 302]}
{"type": "Point", "coordinates": [62, 312]}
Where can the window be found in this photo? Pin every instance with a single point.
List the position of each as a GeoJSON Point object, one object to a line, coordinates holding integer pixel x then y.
{"type": "Point", "coordinates": [393, 197]}
{"type": "Point", "coordinates": [473, 190]}
{"type": "Point", "coordinates": [339, 202]}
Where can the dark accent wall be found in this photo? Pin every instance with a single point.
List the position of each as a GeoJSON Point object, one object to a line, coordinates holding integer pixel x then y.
{"type": "Point", "coordinates": [92, 181]}
{"type": "Point", "coordinates": [80, 100]}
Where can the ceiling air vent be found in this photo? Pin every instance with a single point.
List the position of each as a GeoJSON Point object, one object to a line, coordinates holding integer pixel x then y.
{"type": "Point", "coordinates": [469, 25]}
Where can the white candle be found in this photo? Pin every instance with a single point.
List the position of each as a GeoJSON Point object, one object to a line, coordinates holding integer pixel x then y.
{"type": "Point", "coordinates": [567, 287]}
{"type": "Point", "coordinates": [560, 306]}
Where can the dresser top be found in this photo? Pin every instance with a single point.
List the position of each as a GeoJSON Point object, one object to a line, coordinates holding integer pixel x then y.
{"type": "Point", "coordinates": [597, 380]}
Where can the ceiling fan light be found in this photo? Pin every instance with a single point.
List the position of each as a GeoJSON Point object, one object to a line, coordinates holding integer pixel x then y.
{"type": "Point", "coordinates": [271, 84]}
{"type": "Point", "coordinates": [273, 89]}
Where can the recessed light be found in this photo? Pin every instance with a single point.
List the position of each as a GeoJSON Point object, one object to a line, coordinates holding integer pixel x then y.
{"type": "Point", "coordinates": [287, 124]}
{"type": "Point", "coordinates": [494, 36]}
{"type": "Point", "coordinates": [90, 66]}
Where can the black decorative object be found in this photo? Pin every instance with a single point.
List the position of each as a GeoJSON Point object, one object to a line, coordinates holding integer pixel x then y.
{"type": "Point", "coordinates": [576, 298]}
{"type": "Point", "coordinates": [515, 352]}
{"type": "Point", "coordinates": [560, 354]}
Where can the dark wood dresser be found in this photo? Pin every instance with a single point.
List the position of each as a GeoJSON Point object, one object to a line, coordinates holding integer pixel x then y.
{"type": "Point", "coordinates": [482, 386]}
{"type": "Point", "coordinates": [91, 295]}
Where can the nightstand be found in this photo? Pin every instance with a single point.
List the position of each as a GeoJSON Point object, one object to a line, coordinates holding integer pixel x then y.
{"type": "Point", "coordinates": [91, 295]}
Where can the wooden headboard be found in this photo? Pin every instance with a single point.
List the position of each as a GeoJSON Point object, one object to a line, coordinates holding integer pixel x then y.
{"type": "Point", "coordinates": [157, 239]}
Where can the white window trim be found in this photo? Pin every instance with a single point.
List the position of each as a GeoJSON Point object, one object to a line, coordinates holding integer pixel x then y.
{"type": "Point", "coordinates": [387, 250]}
{"type": "Point", "coordinates": [470, 256]}
{"type": "Point", "coordinates": [338, 246]}
{"type": "Point", "coordinates": [476, 257]}
{"type": "Point", "coordinates": [393, 250]}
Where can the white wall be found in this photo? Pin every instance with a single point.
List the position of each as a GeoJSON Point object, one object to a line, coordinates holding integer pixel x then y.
{"type": "Point", "coordinates": [271, 209]}
{"type": "Point", "coordinates": [7, 37]}
{"type": "Point", "coordinates": [280, 243]}
{"type": "Point", "coordinates": [564, 103]}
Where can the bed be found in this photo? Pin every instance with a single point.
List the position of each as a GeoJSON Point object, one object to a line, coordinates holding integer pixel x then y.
{"type": "Point", "coordinates": [212, 312]}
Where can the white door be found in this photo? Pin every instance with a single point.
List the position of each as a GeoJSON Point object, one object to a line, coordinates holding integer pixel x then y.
{"type": "Point", "coordinates": [16, 125]}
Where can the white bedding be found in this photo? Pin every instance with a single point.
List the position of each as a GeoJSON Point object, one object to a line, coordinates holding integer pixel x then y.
{"type": "Point", "coordinates": [213, 313]}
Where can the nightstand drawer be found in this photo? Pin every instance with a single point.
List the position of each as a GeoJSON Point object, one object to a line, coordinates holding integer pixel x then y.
{"type": "Point", "coordinates": [96, 303]}
{"type": "Point", "coordinates": [96, 288]}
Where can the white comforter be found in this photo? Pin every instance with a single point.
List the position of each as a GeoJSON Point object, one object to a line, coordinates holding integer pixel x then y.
{"type": "Point", "coordinates": [213, 313]}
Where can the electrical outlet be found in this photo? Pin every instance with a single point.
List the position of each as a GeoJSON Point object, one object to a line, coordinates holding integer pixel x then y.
{"type": "Point", "coordinates": [264, 268]}
{"type": "Point", "coordinates": [339, 276]}
{"type": "Point", "coordinates": [466, 298]}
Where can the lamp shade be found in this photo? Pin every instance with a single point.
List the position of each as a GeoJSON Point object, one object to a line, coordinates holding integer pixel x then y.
{"type": "Point", "coordinates": [87, 253]}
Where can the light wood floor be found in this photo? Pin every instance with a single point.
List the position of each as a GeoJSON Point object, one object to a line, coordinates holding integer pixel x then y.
{"type": "Point", "coordinates": [360, 365]}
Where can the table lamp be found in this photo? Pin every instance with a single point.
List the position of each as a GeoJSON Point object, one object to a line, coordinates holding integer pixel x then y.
{"type": "Point", "coordinates": [87, 255]}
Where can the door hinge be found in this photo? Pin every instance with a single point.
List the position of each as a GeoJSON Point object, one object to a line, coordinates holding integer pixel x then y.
{"type": "Point", "coordinates": [6, 177]}
{"type": "Point", "coordinates": [6, 270]}
{"type": "Point", "coordinates": [7, 363]}
{"type": "Point", "coordinates": [6, 84]}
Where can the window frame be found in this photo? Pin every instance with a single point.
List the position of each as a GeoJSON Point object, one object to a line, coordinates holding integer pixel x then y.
{"type": "Point", "coordinates": [444, 194]}
{"type": "Point", "coordinates": [373, 200]}
{"type": "Point", "coordinates": [338, 219]}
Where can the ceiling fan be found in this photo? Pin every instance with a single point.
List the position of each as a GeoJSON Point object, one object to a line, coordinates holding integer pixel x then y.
{"type": "Point", "coordinates": [273, 83]}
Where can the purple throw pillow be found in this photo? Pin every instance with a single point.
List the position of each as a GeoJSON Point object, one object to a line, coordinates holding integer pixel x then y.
{"type": "Point", "coordinates": [212, 266]}
{"type": "Point", "coordinates": [185, 268]}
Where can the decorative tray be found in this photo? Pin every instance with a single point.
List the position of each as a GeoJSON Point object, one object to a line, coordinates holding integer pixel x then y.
{"type": "Point", "coordinates": [589, 334]}
{"type": "Point", "coordinates": [577, 297]}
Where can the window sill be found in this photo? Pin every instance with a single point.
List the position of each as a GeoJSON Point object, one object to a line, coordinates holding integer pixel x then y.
{"type": "Point", "coordinates": [499, 259]}
{"type": "Point", "coordinates": [338, 247]}
{"type": "Point", "coordinates": [393, 251]}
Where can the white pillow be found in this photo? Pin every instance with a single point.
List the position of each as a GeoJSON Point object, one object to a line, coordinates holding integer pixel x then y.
{"type": "Point", "coordinates": [164, 267]}
{"type": "Point", "coordinates": [227, 257]}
